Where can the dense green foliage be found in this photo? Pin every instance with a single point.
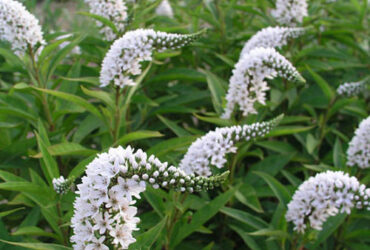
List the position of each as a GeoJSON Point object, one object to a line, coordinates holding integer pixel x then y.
{"type": "Point", "coordinates": [58, 127]}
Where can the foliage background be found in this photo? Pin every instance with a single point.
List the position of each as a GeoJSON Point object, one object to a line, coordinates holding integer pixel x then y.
{"type": "Point", "coordinates": [180, 99]}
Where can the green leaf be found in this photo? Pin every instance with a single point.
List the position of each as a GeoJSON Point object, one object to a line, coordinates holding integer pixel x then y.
{"type": "Point", "coordinates": [325, 87]}
{"type": "Point", "coordinates": [167, 146]}
{"type": "Point", "coordinates": [88, 79]}
{"type": "Point", "coordinates": [75, 99]}
{"type": "Point", "coordinates": [247, 218]}
{"type": "Point", "coordinates": [33, 231]}
{"type": "Point", "coordinates": [202, 216]}
{"type": "Point", "coordinates": [248, 196]}
{"type": "Point", "coordinates": [6, 213]}
{"type": "Point", "coordinates": [50, 166]}
{"type": "Point", "coordinates": [138, 135]}
{"type": "Point", "coordinates": [80, 168]}
{"type": "Point", "coordinates": [271, 233]}
{"type": "Point", "coordinates": [155, 200]}
{"type": "Point", "coordinates": [67, 148]}
{"type": "Point", "coordinates": [279, 190]}
{"type": "Point", "coordinates": [338, 155]}
{"type": "Point", "coordinates": [217, 90]}
{"type": "Point", "coordinates": [101, 19]}
{"type": "Point", "coordinates": [179, 131]}
{"type": "Point", "coordinates": [37, 246]}
{"type": "Point", "coordinates": [8, 177]}
{"type": "Point", "coordinates": [249, 241]}
{"type": "Point", "coordinates": [101, 95]}
{"type": "Point", "coordinates": [18, 113]}
{"type": "Point", "coordinates": [147, 239]}
{"type": "Point", "coordinates": [215, 120]}
{"type": "Point", "coordinates": [288, 130]}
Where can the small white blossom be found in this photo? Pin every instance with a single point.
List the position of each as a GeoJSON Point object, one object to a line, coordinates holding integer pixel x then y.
{"type": "Point", "coordinates": [247, 84]}
{"type": "Point", "coordinates": [274, 37]}
{"type": "Point", "coordinates": [290, 12]}
{"type": "Point", "coordinates": [113, 10]}
{"type": "Point", "coordinates": [358, 152]}
{"type": "Point", "coordinates": [350, 89]}
{"type": "Point", "coordinates": [211, 149]}
{"type": "Point", "coordinates": [164, 9]}
{"type": "Point", "coordinates": [126, 53]}
{"type": "Point", "coordinates": [106, 195]}
{"type": "Point", "coordinates": [19, 27]}
{"type": "Point", "coordinates": [322, 196]}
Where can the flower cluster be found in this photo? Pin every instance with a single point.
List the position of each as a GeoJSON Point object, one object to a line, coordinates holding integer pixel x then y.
{"type": "Point", "coordinates": [104, 212]}
{"type": "Point", "coordinates": [325, 195]}
{"type": "Point", "coordinates": [247, 85]}
{"type": "Point", "coordinates": [290, 12]}
{"type": "Point", "coordinates": [19, 27]}
{"type": "Point", "coordinates": [274, 37]}
{"type": "Point", "coordinates": [358, 152]}
{"type": "Point", "coordinates": [164, 9]}
{"type": "Point", "coordinates": [211, 149]}
{"type": "Point", "coordinates": [61, 185]}
{"type": "Point", "coordinates": [126, 53]}
{"type": "Point", "coordinates": [350, 89]}
{"type": "Point", "coordinates": [113, 10]}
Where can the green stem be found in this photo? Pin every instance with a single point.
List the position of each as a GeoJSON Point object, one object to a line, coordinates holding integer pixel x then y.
{"type": "Point", "coordinates": [117, 116]}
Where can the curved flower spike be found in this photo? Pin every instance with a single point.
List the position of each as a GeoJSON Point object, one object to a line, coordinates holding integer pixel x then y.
{"type": "Point", "coordinates": [247, 85]}
{"type": "Point", "coordinates": [271, 37]}
{"type": "Point", "coordinates": [290, 12]}
{"type": "Point", "coordinates": [350, 89]}
{"type": "Point", "coordinates": [126, 53]}
{"type": "Point", "coordinates": [325, 195]}
{"type": "Point", "coordinates": [19, 27]}
{"type": "Point", "coordinates": [104, 210]}
{"type": "Point", "coordinates": [211, 149]}
{"type": "Point", "coordinates": [113, 10]}
{"type": "Point", "coordinates": [358, 152]}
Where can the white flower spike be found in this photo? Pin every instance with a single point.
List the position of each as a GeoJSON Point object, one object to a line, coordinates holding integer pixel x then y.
{"type": "Point", "coordinates": [247, 85]}
{"type": "Point", "coordinates": [113, 10]}
{"type": "Point", "coordinates": [325, 195]}
{"type": "Point", "coordinates": [350, 89]}
{"type": "Point", "coordinates": [211, 149]}
{"type": "Point", "coordinates": [290, 12]}
{"type": "Point", "coordinates": [105, 212]}
{"type": "Point", "coordinates": [271, 37]}
{"type": "Point", "coordinates": [19, 27]}
{"type": "Point", "coordinates": [125, 55]}
{"type": "Point", "coordinates": [358, 152]}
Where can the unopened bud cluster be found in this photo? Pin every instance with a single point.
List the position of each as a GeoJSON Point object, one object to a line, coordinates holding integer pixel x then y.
{"type": "Point", "coordinates": [61, 185]}
{"type": "Point", "coordinates": [325, 195]}
{"type": "Point", "coordinates": [247, 83]}
{"type": "Point", "coordinates": [271, 37]}
{"type": "Point", "coordinates": [19, 27]}
{"type": "Point", "coordinates": [113, 10]}
{"type": "Point", "coordinates": [104, 212]}
{"type": "Point", "coordinates": [125, 55]}
{"type": "Point", "coordinates": [211, 149]}
{"type": "Point", "coordinates": [350, 89]}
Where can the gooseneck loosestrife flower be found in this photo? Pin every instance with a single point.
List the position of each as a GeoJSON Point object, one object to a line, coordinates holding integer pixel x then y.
{"type": "Point", "coordinates": [271, 37]}
{"type": "Point", "coordinates": [19, 27]}
{"type": "Point", "coordinates": [125, 55]}
{"type": "Point", "coordinates": [290, 12]}
{"type": "Point", "coordinates": [350, 89]}
{"type": "Point", "coordinates": [104, 211]}
{"type": "Point", "coordinates": [358, 152]}
{"type": "Point", "coordinates": [164, 9]}
{"type": "Point", "coordinates": [325, 195]}
{"type": "Point", "coordinates": [113, 10]}
{"type": "Point", "coordinates": [247, 85]}
{"type": "Point", "coordinates": [211, 149]}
